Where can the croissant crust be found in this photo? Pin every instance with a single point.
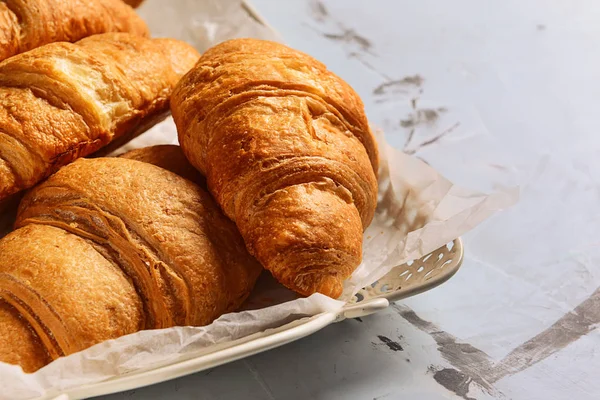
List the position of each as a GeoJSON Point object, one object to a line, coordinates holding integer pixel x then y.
{"type": "Point", "coordinates": [288, 155]}
{"type": "Point", "coordinates": [65, 100]}
{"type": "Point", "coordinates": [27, 24]}
{"type": "Point", "coordinates": [109, 246]}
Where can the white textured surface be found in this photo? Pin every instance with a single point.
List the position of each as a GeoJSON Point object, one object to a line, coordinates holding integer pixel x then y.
{"type": "Point", "coordinates": [521, 78]}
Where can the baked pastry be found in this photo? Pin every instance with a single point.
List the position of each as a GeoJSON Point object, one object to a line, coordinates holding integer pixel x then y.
{"type": "Point", "coordinates": [27, 24]}
{"type": "Point", "coordinates": [287, 153]}
{"type": "Point", "coordinates": [109, 246]}
{"type": "Point", "coordinates": [65, 100]}
{"type": "Point", "coordinates": [58, 295]}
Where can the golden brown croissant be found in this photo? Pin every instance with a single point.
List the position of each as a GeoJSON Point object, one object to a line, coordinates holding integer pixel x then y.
{"type": "Point", "coordinates": [62, 101]}
{"type": "Point", "coordinates": [109, 246]}
{"type": "Point", "coordinates": [27, 24]}
{"type": "Point", "coordinates": [287, 153]}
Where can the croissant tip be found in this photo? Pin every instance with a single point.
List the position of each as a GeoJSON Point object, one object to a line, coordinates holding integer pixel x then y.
{"type": "Point", "coordinates": [331, 286]}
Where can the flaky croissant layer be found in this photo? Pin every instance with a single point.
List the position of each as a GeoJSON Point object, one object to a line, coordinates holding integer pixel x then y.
{"type": "Point", "coordinates": [63, 101]}
{"type": "Point", "coordinates": [27, 24]}
{"type": "Point", "coordinates": [288, 155]}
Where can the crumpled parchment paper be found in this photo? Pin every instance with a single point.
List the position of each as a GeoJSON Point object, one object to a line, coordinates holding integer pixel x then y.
{"type": "Point", "coordinates": [418, 211]}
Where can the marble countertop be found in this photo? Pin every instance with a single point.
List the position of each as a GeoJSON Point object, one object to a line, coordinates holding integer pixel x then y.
{"type": "Point", "coordinates": [492, 94]}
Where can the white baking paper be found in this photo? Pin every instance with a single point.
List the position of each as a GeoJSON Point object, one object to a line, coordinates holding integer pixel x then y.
{"type": "Point", "coordinates": [418, 211]}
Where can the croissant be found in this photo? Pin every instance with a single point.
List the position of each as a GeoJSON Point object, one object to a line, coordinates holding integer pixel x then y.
{"type": "Point", "coordinates": [62, 101]}
{"type": "Point", "coordinates": [288, 155]}
{"type": "Point", "coordinates": [27, 24]}
{"type": "Point", "coordinates": [109, 246]}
